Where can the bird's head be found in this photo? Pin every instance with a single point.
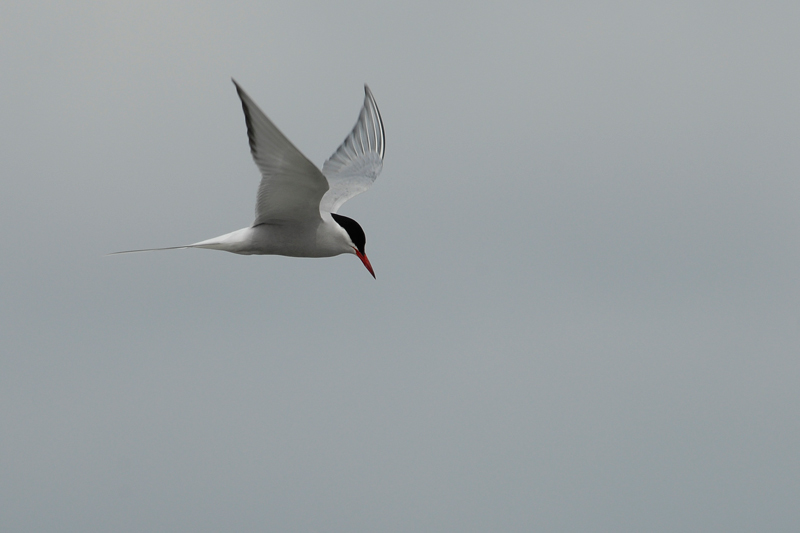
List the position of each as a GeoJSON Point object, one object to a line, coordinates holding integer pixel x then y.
{"type": "Point", "coordinates": [357, 238]}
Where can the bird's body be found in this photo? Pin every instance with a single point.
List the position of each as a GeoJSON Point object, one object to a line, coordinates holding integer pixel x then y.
{"type": "Point", "coordinates": [321, 238]}
{"type": "Point", "coordinates": [296, 203]}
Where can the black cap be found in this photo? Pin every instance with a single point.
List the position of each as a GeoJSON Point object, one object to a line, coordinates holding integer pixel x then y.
{"type": "Point", "coordinates": [353, 229]}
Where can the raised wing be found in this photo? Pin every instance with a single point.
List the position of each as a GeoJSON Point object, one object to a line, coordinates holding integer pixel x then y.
{"type": "Point", "coordinates": [291, 185]}
{"type": "Point", "coordinates": [353, 168]}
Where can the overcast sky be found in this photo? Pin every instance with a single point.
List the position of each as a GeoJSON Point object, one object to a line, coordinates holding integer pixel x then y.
{"type": "Point", "coordinates": [587, 309]}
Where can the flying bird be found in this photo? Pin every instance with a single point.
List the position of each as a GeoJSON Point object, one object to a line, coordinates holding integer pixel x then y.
{"type": "Point", "coordinates": [297, 204]}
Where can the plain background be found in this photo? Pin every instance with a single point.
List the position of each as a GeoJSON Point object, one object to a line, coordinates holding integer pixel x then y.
{"type": "Point", "coordinates": [585, 236]}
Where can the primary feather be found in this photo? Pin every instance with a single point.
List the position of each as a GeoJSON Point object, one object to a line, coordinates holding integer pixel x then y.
{"type": "Point", "coordinates": [291, 186]}
{"type": "Point", "coordinates": [354, 166]}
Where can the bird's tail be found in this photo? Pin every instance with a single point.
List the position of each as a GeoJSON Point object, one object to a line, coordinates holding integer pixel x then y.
{"type": "Point", "coordinates": [230, 242]}
{"type": "Point", "coordinates": [150, 250]}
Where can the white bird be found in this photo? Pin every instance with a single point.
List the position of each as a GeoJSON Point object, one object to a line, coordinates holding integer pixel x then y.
{"type": "Point", "coordinates": [297, 203]}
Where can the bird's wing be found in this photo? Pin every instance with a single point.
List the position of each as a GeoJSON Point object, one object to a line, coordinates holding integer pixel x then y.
{"type": "Point", "coordinates": [291, 185]}
{"type": "Point", "coordinates": [353, 168]}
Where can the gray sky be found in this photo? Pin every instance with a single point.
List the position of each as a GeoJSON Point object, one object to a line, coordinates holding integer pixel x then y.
{"type": "Point", "coordinates": [587, 311]}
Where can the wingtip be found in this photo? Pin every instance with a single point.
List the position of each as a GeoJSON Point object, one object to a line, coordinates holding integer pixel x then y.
{"type": "Point", "coordinates": [371, 99]}
{"type": "Point", "coordinates": [238, 87]}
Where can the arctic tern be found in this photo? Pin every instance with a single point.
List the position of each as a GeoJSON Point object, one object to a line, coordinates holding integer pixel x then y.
{"type": "Point", "coordinates": [297, 204]}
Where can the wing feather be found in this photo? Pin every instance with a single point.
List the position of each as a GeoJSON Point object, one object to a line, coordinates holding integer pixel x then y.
{"type": "Point", "coordinates": [352, 169]}
{"type": "Point", "coordinates": [291, 186]}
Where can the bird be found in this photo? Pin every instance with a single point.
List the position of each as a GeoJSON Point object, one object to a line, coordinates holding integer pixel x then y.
{"type": "Point", "coordinates": [297, 203]}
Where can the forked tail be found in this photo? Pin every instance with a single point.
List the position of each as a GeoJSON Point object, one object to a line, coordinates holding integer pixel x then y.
{"type": "Point", "coordinates": [234, 242]}
{"type": "Point", "coordinates": [150, 250]}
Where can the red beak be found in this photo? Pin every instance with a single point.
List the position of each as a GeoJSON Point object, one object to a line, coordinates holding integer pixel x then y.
{"type": "Point", "coordinates": [364, 260]}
